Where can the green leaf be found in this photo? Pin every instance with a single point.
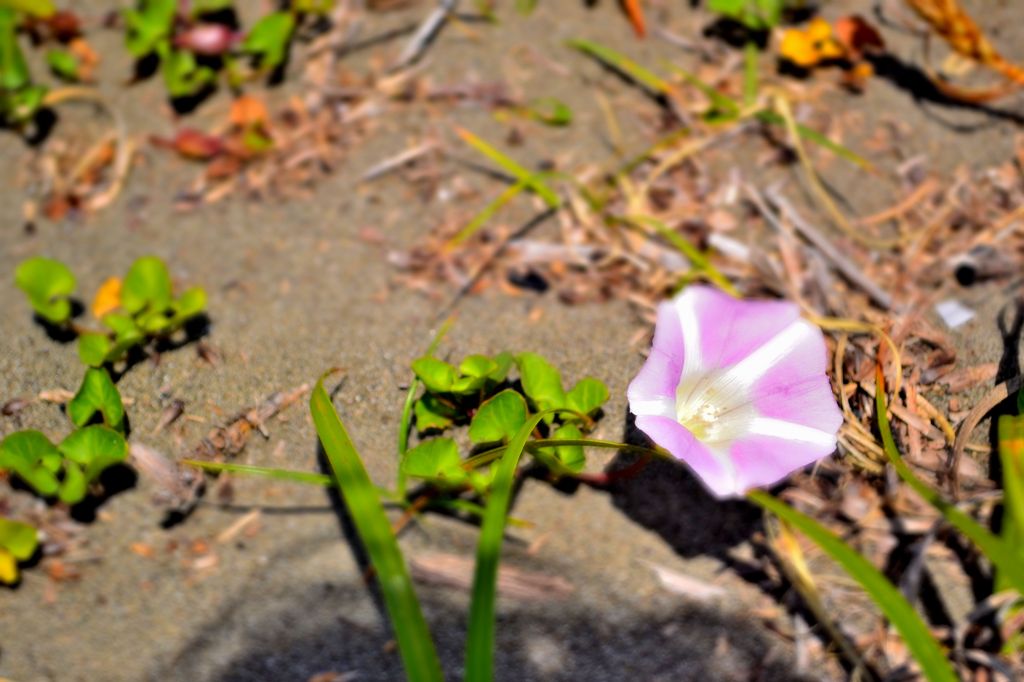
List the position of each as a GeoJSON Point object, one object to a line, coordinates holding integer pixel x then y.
{"type": "Point", "coordinates": [504, 362]}
{"type": "Point", "coordinates": [438, 376]}
{"type": "Point", "coordinates": [48, 284]}
{"type": "Point", "coordinates": [63, 64]}
{"type": "Point", "coordinates": [551, 111]}
{"type": "Point", "coordinates": [468, 385]}
{"type": "Point", "coordinates": [20, 539]}
{"type": "Point", "coordinates": [183, 75]}
{"type": "Point", "coordinates": [200, 7]}
{"type": "Point", "coordinates": [1004, 557]}
{"type": "Point", "coordinates": [363, 501]}
{"type": "Point", "coordinates": [146, 286]}
{"type": "Point", "coordinates": [431, 413]}
{"type": "Point", "coordinates": [587, 396]}
{"type": "Point", "coordinates": [149, 26]}
{"type": "Point", "coordinates": [893, 604]}
{"type": "Point", "coordinates": [95, 448]}
{"type": "Point", "coordinates": [36, 8]}
{"type": "Point", "coordinates": [126, 335]}
{"type": "Point", "coordinates": [435, 460]}
{"type": "Point", "coordinates": [73, 487]}
{"type": "Point", "coordinates": [268, 39]}
{"type": "Point", "coordinates": [33, 458]}
{"type": "Point", "coordinates": [93, 349]}
{"type": "Point", "coordinates": [477, 366]}
{"type": "Point", "coordinates": [189, 304]}
{"type": "Point", "coordinates": [1011, 456]}
{"type": "Point", "coordinates": [541, 382]}
{"type": "Point", "coordinates": [480, 634]}
{"type": "Point", "coordinates": [97, 394]}
{"type": "Point", "coordinates": [571, 456]}
{"type": "Point", "coordinates": [757, 15]}
{"type": "Point", "coordinates": [498, 418]}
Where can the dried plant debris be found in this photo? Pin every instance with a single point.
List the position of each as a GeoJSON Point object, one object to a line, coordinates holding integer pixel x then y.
{"type": "Point", "coordinates": [230, 439]}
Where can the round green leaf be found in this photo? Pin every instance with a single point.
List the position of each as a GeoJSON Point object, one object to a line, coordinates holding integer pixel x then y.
{"type": "Point", "coordinates": [97, 394]}
{"type": "Point", "coordinates": [498, 418]}
{"type": "Point", "coordinates": [542, 383]}
{"type": "Point", "coordinates": [74, 486]}
{"type": "Point", "coordinates": [586, 396]}
{"type": "Point", "coordinates": [571, 456]}
{"type": "Point", "coordinates": [20, 539]}
{"type": "Point", "coordinates": [438, 376]}
{"type": "Point", "coordinates": [477, 366]}
{"type": "Point", "coordinates": [147, 285]}
{"type": "Point", "coordinates": [435, 460]}
{"type": "Point", "coordinates": [93, 349]}
{"type": "Point", "coordinates": [189, 304]}
{"type": "Point", "coordinates": [47, 283]}
{"type": "Point", "coordinates": [432, 414]}
{"type": "Point", "coordinates": [95, 447]}
{"type": "Point", "coordinates": [33, 458]}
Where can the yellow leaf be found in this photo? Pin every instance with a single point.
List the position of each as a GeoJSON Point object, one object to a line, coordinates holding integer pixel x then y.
{"type": "Point", "coordinates": [108, 297]}
{"type": "Point", "coordinates": [8, 567]}
{"type": "Point", "coordinates": [819, 30]}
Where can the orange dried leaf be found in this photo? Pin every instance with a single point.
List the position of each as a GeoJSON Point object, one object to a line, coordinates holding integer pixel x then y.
{"type": "Point", "coordinates": [857, 36]}
{"type": "Point", "coordinates": [194, 144]}
{"type": "Point", "coordinates": [108, 297]}
{"type": "Point", "coordinates": [248, 111]}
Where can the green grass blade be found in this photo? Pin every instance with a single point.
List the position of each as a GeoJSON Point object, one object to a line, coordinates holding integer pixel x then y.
{"type": "Point", "coordinates": [308, 477]}
{"type": "Point", "coordinates": [1011, 455]}
{"type": "Point", "coordinates": [719, 100]}
{"type": "Point", "coordinates": [623, 64]}
{"type": "Point", "coordinates": [485, 214]}
{"type": "Point", "coordinates": [480, 638]}
{"type": "Point", "coordinates": [512, 167]}
{"type": "Point", "coordinates": [893, 604]}
{"type": "Point", "coordinates": [1006, 560]}
{"type": "Point", "coordinates": [363, 501]}
{"type": "Point", "coordinates": [812, 135]}
{"type": "Point", "coordinates": [698, 259]}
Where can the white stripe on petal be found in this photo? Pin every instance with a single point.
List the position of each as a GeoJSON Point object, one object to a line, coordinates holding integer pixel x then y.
{"type": "Point", "coordinates": [751, 368]}
{"type": "Point", "coordinates": [686, 306]}
{"type": "Point", "coordinates": [658, 407]}
{"type": "Point", "coordinates": [778, 428]}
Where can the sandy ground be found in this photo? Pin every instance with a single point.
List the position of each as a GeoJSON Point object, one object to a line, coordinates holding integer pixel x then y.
{"type": "Point", "coordinates": [294, 291]}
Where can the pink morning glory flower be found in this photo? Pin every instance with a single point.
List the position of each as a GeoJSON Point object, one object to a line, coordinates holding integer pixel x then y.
{"type": "Point", "coordinates": [736, 389]}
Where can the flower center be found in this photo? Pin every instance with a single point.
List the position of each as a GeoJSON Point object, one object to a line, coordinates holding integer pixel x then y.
{"type": "Point", "coordinates": [710, 409]}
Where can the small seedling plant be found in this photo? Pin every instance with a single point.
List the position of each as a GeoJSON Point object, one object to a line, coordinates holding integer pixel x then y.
{"type": "Point", "coordinates": [133, 312]}
{"type": "Point", "coordinates": [20, 96]}
{"type": "Point", "coordinates": [195, 43]}
{"type": "Point", "coordinates": [482, 394]}
{"type": "Point", "coordinates": [18, 542]}
{"type": "Point", "coordinates": [67, 469]}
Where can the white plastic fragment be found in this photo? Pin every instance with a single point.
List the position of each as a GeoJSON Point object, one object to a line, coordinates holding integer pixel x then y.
{"type": "Point", "coordinates": [954, 313]}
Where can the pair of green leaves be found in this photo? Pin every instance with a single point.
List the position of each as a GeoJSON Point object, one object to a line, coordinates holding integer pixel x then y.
{"type": "Point", "coordinates": [67, 469]}
{"type": "Point", "coordinates": [64, 470]}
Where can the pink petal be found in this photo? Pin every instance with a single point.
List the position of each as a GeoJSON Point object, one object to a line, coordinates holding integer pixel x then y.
{"type": "Point", "coordinates": [796, 389]}
{"type": "Point", "coordinates": [659, 376]}
{"type": "Point", "coordinates": [764, 460]}
{"type": "Point", "coordinates": [731, 329]}
{"type": "Point", "coordinates": [671, 435]}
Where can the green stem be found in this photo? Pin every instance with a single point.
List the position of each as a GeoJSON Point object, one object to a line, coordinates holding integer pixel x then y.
{"type": "Point", "coordinates": [750, 86]}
